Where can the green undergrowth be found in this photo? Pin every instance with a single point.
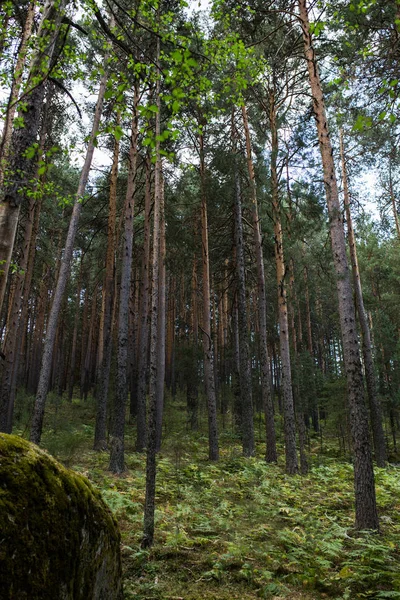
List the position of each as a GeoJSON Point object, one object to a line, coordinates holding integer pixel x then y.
{"type": "Point", "coordinates": [239, 528]}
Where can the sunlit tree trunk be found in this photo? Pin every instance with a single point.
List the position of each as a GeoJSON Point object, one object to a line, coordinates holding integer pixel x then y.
{"type": "Point", "coordinates": [365, 500]}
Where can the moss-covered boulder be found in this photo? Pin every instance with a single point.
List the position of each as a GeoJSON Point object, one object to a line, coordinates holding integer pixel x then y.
{"type": "Point", "coordinates": [58, 540]}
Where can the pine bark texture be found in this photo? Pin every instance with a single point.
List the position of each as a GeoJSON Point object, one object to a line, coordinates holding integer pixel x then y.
{"type": "Point", "coordinates": [365, 500]}
{"type": "Point", "coordinates": [143, 343]}
{"type": "Point", "coordinates": [151, 469]}
{"type": "Point", "coordinates": [374, 404]}
{"type": "Point", "coordinates": [117, 456]}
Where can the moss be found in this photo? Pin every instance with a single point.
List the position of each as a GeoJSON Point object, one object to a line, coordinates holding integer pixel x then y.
{"type": "Point", "coordinates": [57, 537]}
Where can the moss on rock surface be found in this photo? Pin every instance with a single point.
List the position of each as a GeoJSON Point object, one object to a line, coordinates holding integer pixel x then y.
{"type": "Point", "coordinates": [58, 540]}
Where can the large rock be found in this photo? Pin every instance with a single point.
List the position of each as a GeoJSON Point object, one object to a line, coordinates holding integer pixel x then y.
{"type": "Point", "coordinates": [58, 540]}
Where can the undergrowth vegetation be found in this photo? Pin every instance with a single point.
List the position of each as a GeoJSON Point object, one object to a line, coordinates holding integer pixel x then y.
{"type": "Point", "coordinates": [239, 528]}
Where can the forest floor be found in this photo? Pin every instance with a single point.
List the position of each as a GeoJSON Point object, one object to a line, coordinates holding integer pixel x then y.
{"type": "Point", "coordinates": [239, 528]}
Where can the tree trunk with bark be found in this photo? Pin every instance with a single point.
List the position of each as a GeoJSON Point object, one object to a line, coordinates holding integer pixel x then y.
{"type": "Point", "coordinates": [161, 323]}
{"type": "Point", "coordinates": [117, 456]}
{"type": "Point", "coordinates": [365, 500]}
{"type": "Point", "coordinates": [144, 318]}
{"type": "Point", "coordinates": [271, 455]}
{"type": "Point", "coordinates": [149, 507]}
{"type": "Point", "coordinates": [37, 420]}
{"type": "Point", "coordinates": [374, 404]}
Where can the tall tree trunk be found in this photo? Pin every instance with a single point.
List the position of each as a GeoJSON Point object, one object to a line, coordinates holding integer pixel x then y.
{"type": "Point", "coordinates": [213, 450]}
{"type": "Point", "coordinates": [144, 318]}
{"type": "Point", "coordinates": [365, 500]}
{"type": "Point", "coordinates": [271, 455]}
{"type": "Point", "coordinates": [105, 342]}
{"type": "Point", "coordinates": [117, 456]}
{"type": "Point", "coordinates": [246, 398]}
{"type": "Point", "coordinates": [286, 374]}
{"type": "Point", "coordinates": [37, 420]}
{"type": "Point", "coordinates": [161, 323]}
{"type": "Point", "coordinates": [149, 507]}
{"type": "Point", "coordinates": [374, 404]}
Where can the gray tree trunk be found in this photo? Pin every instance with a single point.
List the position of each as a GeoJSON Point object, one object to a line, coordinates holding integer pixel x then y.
{"type": "Point", "coordinates": [38, 414]}
{"type": "Point", "coordinates": [374, 404]}
{"type": "Point", "coordinates": [364, 484]}
{"type": "Point", "coordinates": [117, 456]}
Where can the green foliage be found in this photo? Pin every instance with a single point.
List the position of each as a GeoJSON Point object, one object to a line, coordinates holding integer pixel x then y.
{"type": "Point", "coordinates": [240, 528]}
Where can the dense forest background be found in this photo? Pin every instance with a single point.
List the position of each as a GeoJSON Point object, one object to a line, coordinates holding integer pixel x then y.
{"type": "Point", "coordinates": [199, 260]}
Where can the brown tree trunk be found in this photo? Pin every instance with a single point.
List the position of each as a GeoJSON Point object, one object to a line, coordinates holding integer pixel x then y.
{"type": "Point", "coordinates": [365, 500]}
{"type": "Point", "coordinates": [271, 455]}
{"type": "Point", "coordinates": [374, 404]}
{"type": "Point", "coordinates": [117, 456]}
{"type": "Point", "coordinates": [37, 420]}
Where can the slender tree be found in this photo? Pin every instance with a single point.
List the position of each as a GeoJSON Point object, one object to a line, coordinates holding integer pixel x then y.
{"type": "Point", "coordinates": [117, 457]}
{"type": "Point", "coordinates": [374, 404]}
{"type": "Point", "coordinates": [37, 420]}
{"type": "Point", "coordinates": [365, 500]}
